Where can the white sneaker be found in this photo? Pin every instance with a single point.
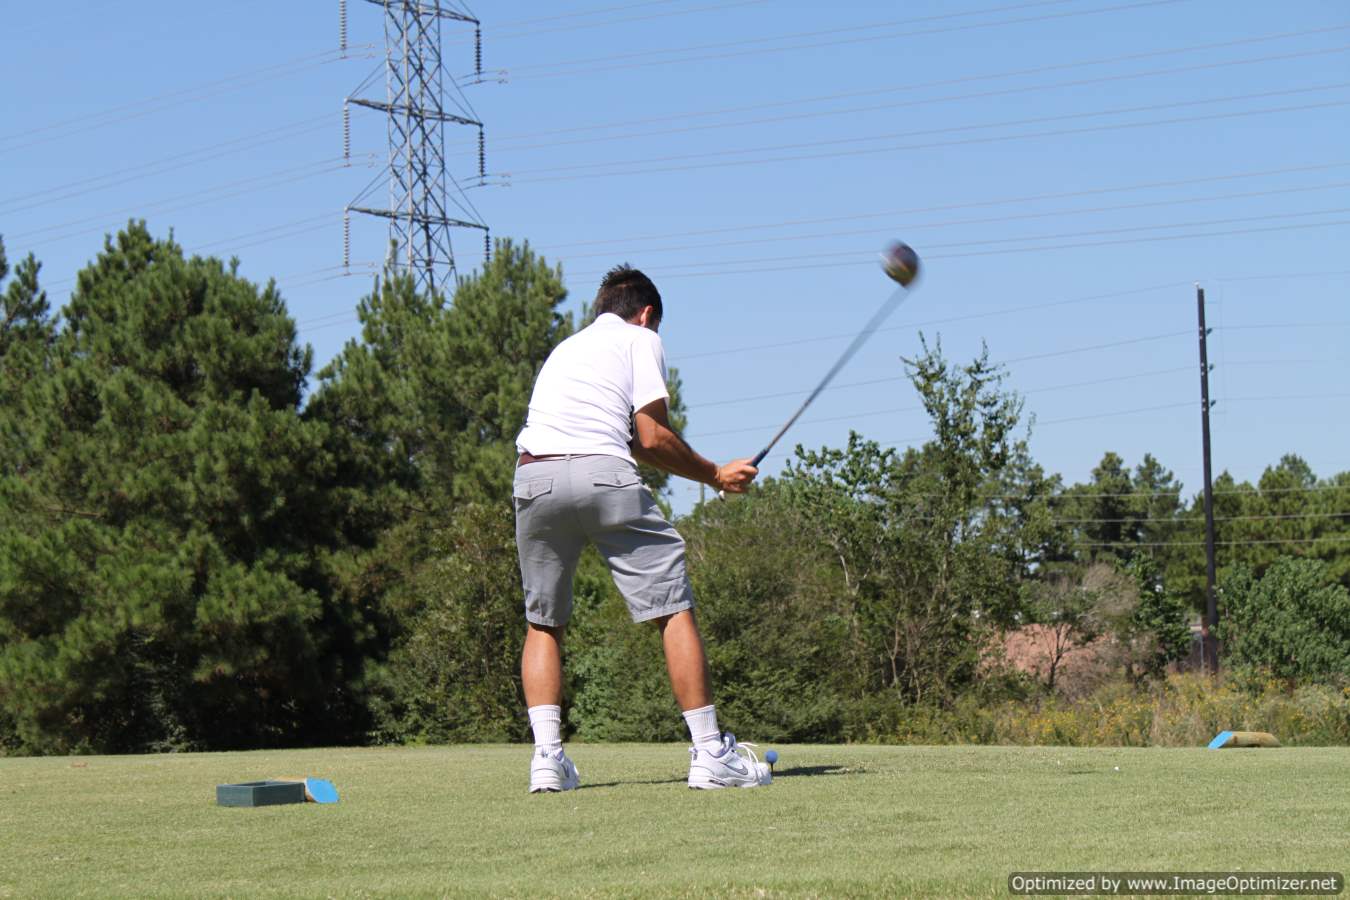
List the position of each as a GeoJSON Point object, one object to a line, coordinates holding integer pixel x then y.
{"type": "Point", "coordinates": [728, 767]}
{"type": "Point", "coordinates": [552, 772]}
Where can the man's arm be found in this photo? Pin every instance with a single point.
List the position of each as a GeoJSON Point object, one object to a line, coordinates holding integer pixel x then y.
{"type": "Point", "coordinates": [656, 444]}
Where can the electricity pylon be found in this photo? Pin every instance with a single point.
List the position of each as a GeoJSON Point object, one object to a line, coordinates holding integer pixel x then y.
{"type": "Point", "coordinates": [425, 202]}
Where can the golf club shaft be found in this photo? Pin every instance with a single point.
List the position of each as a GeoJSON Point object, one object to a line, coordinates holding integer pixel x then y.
{"type": "Point", "coordinates": [892, 302]}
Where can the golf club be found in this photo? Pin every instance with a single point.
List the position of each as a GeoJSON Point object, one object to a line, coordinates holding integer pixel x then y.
{"type": "Point", "coordinates": [901, 263]}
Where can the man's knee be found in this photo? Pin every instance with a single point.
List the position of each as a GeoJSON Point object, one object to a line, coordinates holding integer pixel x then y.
{"type": "Point", "coordinates": [682, 617]}
{"type": "Point", "coordinates": [553, 631]}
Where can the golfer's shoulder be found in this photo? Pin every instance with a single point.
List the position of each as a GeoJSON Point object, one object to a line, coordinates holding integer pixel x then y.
{"type": "Point", "coordinates": [645, 337]}
{"type": "Point", "coordinates": [626, 334]}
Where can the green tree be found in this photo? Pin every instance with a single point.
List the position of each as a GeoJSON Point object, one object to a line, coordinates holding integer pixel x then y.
{"type": "Point", "coordinates": [1074, 608]}
{"type": "Point", "coordinates": [423, 410]}
{"type": "Point", "coordinates": [163, 576]}
{"type": "Point", "coordinates": [430, 398]}
{"type": "Point", "coordinates": [25, 314]}
{"type": "Point", "coordinates": [1292, 622]}
{"type": "Point", "coordinates": [924, 555]}
{"type": "Point", "coordinates": [1157, 630]}
{"type": "Point", "coordinates": [456, 675]}
{"type": "Point", "coordinates": [27, 330]}
{"type": "Point", "coordinates": [1119, 514]}
{"type": "Point", "coordinates": [426, 406]}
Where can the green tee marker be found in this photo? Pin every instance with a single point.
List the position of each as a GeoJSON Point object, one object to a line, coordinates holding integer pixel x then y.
{"type": "Point", "coordinates": [276, 791]}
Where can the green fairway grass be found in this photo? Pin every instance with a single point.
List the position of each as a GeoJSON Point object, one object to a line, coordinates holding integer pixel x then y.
{"type": "Point", "coordinates": [838, 821]}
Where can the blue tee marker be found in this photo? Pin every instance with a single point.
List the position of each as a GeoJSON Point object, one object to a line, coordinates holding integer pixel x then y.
{"type": "Point", "coordinates": [321, 790]}
{"type": "Point", "coordinates": [317, 790]}
{"type": "Point", "coordinates": [1220, 740]}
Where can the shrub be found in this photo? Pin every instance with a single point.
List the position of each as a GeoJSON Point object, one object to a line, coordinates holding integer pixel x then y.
{"type": "Point", "coordinates": [1293, 622]}
{"type": "Point", "coordinates": [1180, 711]}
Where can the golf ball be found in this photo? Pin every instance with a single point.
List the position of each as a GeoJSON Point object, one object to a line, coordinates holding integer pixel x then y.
{"type": "Point", "coordinates": [771, 756]}
{"type": "Point", "coordinates": [900, 262]}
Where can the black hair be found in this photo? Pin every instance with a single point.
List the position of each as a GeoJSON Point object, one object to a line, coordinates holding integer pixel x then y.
{"type": "Point", "coordinates": [625, 291]}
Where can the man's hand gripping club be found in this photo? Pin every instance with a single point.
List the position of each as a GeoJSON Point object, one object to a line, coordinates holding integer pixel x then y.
{"type": "Point", "coordinates": [657, 444]}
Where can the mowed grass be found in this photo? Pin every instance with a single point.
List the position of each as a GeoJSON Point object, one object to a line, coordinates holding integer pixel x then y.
{"type": "Point", "coordinates": [838, 821]}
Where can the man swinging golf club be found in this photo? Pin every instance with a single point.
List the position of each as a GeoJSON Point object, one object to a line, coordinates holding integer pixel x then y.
{"type": "Point", "coordinates": [598, 406]}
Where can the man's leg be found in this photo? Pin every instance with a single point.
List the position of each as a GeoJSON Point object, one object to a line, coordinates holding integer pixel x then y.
{"type": "Point", "coordinates": [646, 557]}
{"type": "Point", "coordinates": [541, 665]}
{"type": "Point", "coordinates": [541, 676]}
{"type": "Point", "coordinates": [548, 557]}
{"type": "Point", "coordinates": [687, 665]}
{"type": "Point", "coordinates": [685, 660]}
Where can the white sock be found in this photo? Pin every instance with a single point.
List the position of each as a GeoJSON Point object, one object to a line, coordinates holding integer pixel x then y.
{"type": "Point", "coordinates": [703, 728]}
{"type": "Point", "coordinates": [547, 724]}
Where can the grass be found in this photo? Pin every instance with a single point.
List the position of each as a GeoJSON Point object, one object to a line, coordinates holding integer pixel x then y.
{"type": "Point", "coordinates": [838, 821]}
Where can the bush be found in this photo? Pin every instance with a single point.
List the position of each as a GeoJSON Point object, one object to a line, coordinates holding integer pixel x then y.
{"type": "Point", "coordinates": [455, 674]}
{"type": "Point", "coordinates": [1293, 622]}
{"type": "Point", "coordinates": [1180, 711]}
{"type": "Point", "coordinates": [616, 684]}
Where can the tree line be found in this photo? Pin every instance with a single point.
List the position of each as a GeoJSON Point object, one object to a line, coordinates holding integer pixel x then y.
{"type": "Point", "coordinates": [204, 544]}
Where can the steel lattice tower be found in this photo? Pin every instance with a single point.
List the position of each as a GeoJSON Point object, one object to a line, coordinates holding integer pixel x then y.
{"type": "Point", "coordinates": [424, 201]}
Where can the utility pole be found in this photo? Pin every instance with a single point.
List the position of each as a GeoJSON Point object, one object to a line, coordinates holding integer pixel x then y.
{"type": "Point", "coordinates": [1209, 645]}
{"type": "Point", "coordinates": [425, 202]}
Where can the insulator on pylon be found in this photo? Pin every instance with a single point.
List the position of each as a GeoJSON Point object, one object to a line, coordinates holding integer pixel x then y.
{"type": "Point", "coordinates": [342, 27]}
{"type": "Point", "coordinates": [478, 51]}
{"type": "Point", "coordinates": [346, 240]}
{"type": "Point", "coordinates": [346, 132]}
{"type": "Point", "coordinates": [487, 246]}
{"type": "Point", "coordinates": [482, 156]}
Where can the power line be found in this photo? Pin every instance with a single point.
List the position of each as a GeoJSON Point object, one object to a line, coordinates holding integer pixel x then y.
{"type": "Point", "coordinates": [259, 182]}
{"type": "Point", "coordinates": [1175, 493]}
{"type": "Point", "coordinates": [989, 314]}
{"type": "Point", "coordinates": [139, 108]}
{"type": "Point", "coordinates": [1141, 409]}
{"type": "Point", "coordinates": [1254, 492]}
{"type": "Point", "coordinates": [1182, 521]}
{"type": "Point", "coordinates": [584, 12]}
{"type": "Point", "coordinates": [552, 145]}
{"type": "Point", "coordinates": [1180, 517]}
{"type": "Point", "coordinates": [509, 35]}
{"type": "Point", "coordinates": [1284, 275]}
{"type": "Point", "coordinates": [363, 268]}
{"type": "Point", "coordinates": [861, 255]}
{"type": "Point", "coordinates": [724, 271]}
{"type": "Point", "coordinates": [965, 142]}
{"type": "Point", "coordinates": [251, 238]}
{"type": "Point", "coordinates": [894, 378]}
{"type": "Point", "coordinates": [167, 164]}
{"type": "Point", "coordinates": [982, 220]}
{"type": "Point", "coordinates": [740, 49]}
{"type": "Point", "coordinates": [1316, 540]}
{"type": "Point", "coordinates": [949, 207]}
{"type": "Point", "coordinates": [1009, 123]}
{"type": "Point", "coordinates": [877, 412]}
{"type": "Point", "coordinates": [916, 86]}
{"type": "Point", "coordinates": [1004, 311]}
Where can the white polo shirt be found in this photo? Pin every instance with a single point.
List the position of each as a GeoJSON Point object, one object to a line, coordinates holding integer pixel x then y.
{"type": "Point", "coordinates": [589, 388]}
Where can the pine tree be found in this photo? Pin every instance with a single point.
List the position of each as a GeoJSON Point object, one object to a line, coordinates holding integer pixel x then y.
{"type": "Point", "coordinates": [26, 332]}
{"type": "Point", "coordinates": [164, 561]}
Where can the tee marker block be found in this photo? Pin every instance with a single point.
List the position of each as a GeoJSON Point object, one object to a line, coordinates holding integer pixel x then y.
{"type": "Point", "coordinates": [1229, 739]}
{"type": "Point", "coordinates": [260, 793]}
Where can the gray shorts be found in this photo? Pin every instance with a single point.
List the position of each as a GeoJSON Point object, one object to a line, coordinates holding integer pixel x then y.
{"type": "Point", "coordinates": [563, 503]}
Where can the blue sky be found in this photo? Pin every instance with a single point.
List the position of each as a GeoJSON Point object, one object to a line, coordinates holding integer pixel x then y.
{"type": "Point", "coordinates": [1068, 170]}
